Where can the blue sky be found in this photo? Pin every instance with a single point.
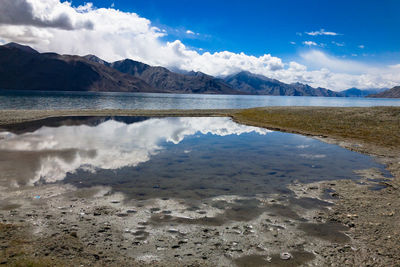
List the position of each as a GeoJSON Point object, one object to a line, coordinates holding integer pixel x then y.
{"type": "Point", "coordinates": [259, 27]}
{"type": "Point", "coordinates": [331, 44]}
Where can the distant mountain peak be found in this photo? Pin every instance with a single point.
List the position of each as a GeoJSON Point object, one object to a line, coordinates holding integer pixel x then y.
{"type": "Point", "coordinates": [244, 72]}
{"type": "Point", "coordinates": [390, 93]}
{"type": "Point", "coordinates": [355, 92]}
{"type": "Point", "coordinates": [196, 73]}
{"type": "Point", "coordinates": [24, 48]}
{"type": "Point", "coordinates": [96, 59]}
{"type": "Point", "coordinates": [251, 83]}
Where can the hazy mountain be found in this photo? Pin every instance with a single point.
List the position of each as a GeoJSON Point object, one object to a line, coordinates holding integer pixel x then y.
{"type": "Point", "coordinates": [355, 92]}
{"type": "Point", "coordinates": [391, 93]}
{"type": "Point", "coordinates": [172, 82]}
{"type": "Point", "coordinates": [260, 85]}
{"type": "Point", "coordinates": [22, 68]}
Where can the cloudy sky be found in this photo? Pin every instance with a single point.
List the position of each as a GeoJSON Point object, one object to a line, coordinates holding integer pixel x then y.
{"type": "Point", "coordinates": [332, 44]}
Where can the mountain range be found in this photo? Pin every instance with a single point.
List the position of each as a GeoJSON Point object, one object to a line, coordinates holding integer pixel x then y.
{"type": "Point", "coordinates": [260, 85]}
{"type": "Point", "coordinates": [172, 82]}
{"type": "Point", "coordinates": [23, 68]}
{"type": "Point", "coordinates": [391, 93]}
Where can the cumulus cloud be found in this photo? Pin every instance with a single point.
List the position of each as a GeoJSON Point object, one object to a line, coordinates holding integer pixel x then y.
{"type": "Point", "coordinates": [111, 34]}
{"type": "Point", "coordinates": [322, 32]}
{"type": "Point", "coordinates": [49, 13]}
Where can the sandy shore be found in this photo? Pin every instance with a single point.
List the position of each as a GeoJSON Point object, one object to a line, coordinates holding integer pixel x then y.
{"type": "Point", "coordinates": [370, 217]}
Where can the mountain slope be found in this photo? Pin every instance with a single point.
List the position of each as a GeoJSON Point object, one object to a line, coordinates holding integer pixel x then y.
{"type": "Point", "coordinates": [24, 48]}
{"type": "Point", "coordinates": [22, 68]}
{"type": "Point", "coordinates": [172, 82]}
{"type": "Point", "coordinates": [96, 59]}
{"type": "Point", "coordinates": [391, 93]}
{"type": "Point", "coordinates": [260, 85]}
{"type": "Point", "coordinates": [355, 92]}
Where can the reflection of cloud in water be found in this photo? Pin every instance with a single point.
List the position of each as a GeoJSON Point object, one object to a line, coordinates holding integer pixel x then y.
{"type": "Point", "coordinates": [312, 156]}
{"type": "Point", "coordinates": [50, 153]}
{"type": "Point", "coordinates": [302, 146]}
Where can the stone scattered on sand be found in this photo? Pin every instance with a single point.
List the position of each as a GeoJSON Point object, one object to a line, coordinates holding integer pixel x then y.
{"type": "Point", "coordinates": [285, 256]}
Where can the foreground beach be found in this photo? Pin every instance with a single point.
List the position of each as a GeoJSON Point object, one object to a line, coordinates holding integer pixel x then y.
{"type": "Point", "coordinates": [370, 216]}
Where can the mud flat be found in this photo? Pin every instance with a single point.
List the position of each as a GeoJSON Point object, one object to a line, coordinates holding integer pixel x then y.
{"type": "Point", "coordinates": [326, 223]}
{"type": "Point", "coordinates": [70, 226]}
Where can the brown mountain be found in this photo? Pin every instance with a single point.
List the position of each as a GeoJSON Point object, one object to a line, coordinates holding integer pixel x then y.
{"type": "Point", "coordinates": [260, 85]}
{"type": "Point", "coordinates": [22, 68]}
{"type": "Point", "coordinates": [172, 82]}
{"type": "Point", "coordinates": [391, 93]}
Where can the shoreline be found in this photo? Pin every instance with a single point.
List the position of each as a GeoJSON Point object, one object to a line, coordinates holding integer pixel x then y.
{"type": "Point", "coordinates": [372, 216]}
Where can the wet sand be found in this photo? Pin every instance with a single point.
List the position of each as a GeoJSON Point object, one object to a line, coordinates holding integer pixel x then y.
{"type": "Point", "coordinates": [360, 229]}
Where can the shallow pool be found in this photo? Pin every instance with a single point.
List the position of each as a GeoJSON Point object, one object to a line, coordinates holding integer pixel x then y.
{"type": "Point", "coordinates": [187, 158]}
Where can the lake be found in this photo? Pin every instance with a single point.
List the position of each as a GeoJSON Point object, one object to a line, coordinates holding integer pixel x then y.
{"type": "Point", "coordinates": [94, 100]}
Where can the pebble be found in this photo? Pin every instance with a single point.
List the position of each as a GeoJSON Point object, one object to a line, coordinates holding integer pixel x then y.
{"type": "Point", "coordinates": [268, 258]}
{"type": "Point", "coordinates": [285, 256]}
{"type": "Point", "coordinates": [131, 211]}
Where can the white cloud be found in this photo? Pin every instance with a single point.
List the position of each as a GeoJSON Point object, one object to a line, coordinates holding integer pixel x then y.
{"type": "Point", "coordinates": [293, 43]}
{"type": "Point", "coordinates": [337, 44]}
{"type": "Point", "coordinates": [50, 13]}
{"type": "Point", "coordinates": [310, 43]}
{"type": "Point", "coordinates": [322, 32]}
{"type": "Point", "coordinates": [339, 73]}
{"type": "Point", "coordinates": [190, 32]}
{"type": "Point", "coordinates": [319, 59]}
{"type": "Point", "coordinates": [361, 46]}
{"type": "Point", "coordinates": [112, 35]}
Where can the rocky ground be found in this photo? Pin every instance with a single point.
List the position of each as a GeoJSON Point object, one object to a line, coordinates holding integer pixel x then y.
{"type": "Point", "coordinates": [62, 225]}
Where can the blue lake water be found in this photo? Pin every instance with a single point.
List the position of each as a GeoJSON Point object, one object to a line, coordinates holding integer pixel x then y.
{"type": "Point", "coordinates": [91, 100]}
